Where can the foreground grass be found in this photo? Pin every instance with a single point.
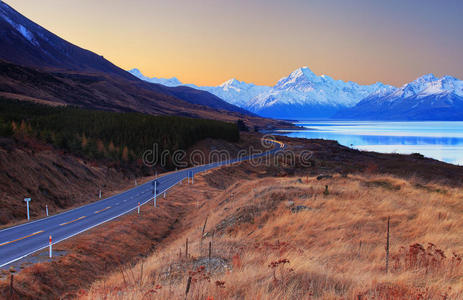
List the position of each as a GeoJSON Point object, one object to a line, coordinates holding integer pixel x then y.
{"type": "Point", "coordinates": [291, 238]}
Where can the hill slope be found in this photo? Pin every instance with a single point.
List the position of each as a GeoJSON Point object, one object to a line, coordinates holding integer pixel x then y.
{"type": "Point", "coordinates": [36, 63]}
{"type": "Point", "coordinates": [26, 43]}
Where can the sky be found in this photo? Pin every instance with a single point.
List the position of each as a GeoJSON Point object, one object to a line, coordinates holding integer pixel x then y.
{"type": "Point", "coordinates": [207, 42]}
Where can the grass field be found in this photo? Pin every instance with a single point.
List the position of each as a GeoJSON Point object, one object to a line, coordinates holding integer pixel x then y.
{"type": "Point", "coordinates": [303, 238]}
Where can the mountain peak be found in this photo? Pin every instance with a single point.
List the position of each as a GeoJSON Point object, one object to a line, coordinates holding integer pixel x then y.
{"type": "Point", "coordinates": [136, 72]}
{"type": "Point", "coordinates": [426, 78]}
{"type": "Point", "coordinates": [230, 82]}
{"type": "Point", "coordinates": [303, 71]}
{"type": "Point", "coordinates": [431, 85]}
{"type": "Point", "coordinates": [173, 81]}
{"type": "Point", "coordinates": [300, 78]}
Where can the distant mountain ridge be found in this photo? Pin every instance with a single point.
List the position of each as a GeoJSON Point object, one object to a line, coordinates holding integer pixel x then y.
{"type": "Point", "coordinates": [304, 95]}
{"type": "Point", "coordinates": [233, 91]}
{"type": "Point", "coordinates": [426, 98]}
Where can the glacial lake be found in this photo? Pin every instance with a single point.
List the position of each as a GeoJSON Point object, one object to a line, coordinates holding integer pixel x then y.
{"type": "Point", "coordinates": [439, 140]}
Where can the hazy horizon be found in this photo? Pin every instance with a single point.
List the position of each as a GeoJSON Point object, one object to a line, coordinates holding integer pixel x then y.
{"type": "Point", "coordinates": [208, 42]}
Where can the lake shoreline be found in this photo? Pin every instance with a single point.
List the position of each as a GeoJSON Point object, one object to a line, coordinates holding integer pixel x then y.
{"type": "Point", "coordinates": [440, 140]}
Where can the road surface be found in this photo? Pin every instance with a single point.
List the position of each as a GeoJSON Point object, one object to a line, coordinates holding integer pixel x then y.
{"type": "Point", "coordinates": [22, 240]}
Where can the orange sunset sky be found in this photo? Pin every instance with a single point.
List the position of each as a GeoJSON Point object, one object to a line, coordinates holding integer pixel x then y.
{"type": "Point", "coordinates": [206, 42]}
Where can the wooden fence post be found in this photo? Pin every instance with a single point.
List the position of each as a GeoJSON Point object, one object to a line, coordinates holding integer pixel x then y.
{"type": "Point", "coordinates": [187, 287]}
{"type": "Point", "coordinates": [387, 246]}
{"type": "Point", "coordinates": [210, 250]}
{"type": "Point", "coordinates": [204, 227]}
{"type": "Point", "coordinates": [11, 286]}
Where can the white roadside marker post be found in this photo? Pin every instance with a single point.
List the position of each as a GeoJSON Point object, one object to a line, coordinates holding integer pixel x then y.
{"type": "Point", "coordinates": [154, 193]}
{"type": "Point", "coordinates": [27, 202]}
{"type": "Point", "coordinates": [46, 209]}
{"type": "Point", "coordinates": [164, 195]}
{"type": "Point", "coordinates": [51, 245]}
{"type": "Point", "coordinates": [100, 194]}
{"type": "Point", "coordinates": [138, 208]}
{"type": "Point", "coordinates": [135, 181]}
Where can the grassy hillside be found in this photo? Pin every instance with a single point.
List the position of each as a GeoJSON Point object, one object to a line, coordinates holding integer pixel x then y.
{"type": "Point", "coordinates": [100, 134]}
{"type": "Point", "coordinates": [276, 233]}
{"type": "Point", "coordinates": [288, 238]}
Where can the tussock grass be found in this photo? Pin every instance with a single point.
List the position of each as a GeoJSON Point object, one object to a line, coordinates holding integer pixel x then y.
{"type": "Point", "coordinates": [334, 248]}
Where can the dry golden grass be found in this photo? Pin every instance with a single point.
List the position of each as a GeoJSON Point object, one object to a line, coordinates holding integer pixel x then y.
{"type": "Point", "coordinates": [332, 248]}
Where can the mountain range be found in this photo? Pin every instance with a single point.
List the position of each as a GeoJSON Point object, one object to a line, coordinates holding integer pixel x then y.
{"type": "Point", "coordinates": [427, 98]}
{"type": "Point", "coordinates": [37, 65]}
{"type": "Point", "coordinates": [304, 95]}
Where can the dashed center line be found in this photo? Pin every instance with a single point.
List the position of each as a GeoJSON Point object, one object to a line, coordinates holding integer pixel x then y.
{"type": "Point", "coordinates": [72, 221]}
{"type": "Point", "coordinates": [24, 237]}
{"type": "Point", "coordinates": [98, 211]}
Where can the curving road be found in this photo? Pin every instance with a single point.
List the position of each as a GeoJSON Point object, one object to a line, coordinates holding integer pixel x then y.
{"type": "Point", "coordinates": [22, 240]}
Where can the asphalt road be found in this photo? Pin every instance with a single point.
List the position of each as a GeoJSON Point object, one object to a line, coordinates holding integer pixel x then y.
{"type": "Point", "coordinates": [22, 240]}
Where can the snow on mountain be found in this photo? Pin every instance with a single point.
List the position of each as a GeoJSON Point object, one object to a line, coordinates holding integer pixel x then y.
{"type": "Point", "coordinates": [5, 13]}
{"type": "Point", "coordinates": [164, 81]}
{"type": "Point", "coordinates": [304, 95]}
{"type": "Point", "coordinates": [236, 92]}
{"type": "Point", "coordinates": [301, 94]}
{"type": "Point", "coordinates": [20, 28]}
{"type": "Point", "coordinates": [430, 85]}
{"type": "Point", "coordinates": [26, 43]}
{"type": "Point", "coordinates": [426, 98]}
{"type": "Point", "coordinates": [233, 91]}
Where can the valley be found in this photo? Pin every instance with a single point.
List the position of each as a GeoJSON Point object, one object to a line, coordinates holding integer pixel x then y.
{"type": "Point", "coordinates": [285, 183]}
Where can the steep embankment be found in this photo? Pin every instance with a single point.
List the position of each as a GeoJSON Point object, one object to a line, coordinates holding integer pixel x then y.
{"type": "Point", "coordinates": [51, 178]}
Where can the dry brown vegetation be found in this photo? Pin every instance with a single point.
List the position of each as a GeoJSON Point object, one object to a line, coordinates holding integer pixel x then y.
{"type": "Point", "coordinates": [29, 168]}
{"type": "Point", "coordinates": [276, 232]}
{"type": "Point", "coordinates": [103, 249]}
{"type": "Point", "coordinates": [50, 177]}
{"type": "Point", "coordinates": [290, 238]}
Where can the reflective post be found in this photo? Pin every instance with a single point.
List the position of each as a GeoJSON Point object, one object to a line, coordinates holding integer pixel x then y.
{"type": "Point", "coordinates": [155, 192]}
{"type": "Point", "coordinates": [50, 254]}
{"type": "Point", "coordinates": [27, 203]}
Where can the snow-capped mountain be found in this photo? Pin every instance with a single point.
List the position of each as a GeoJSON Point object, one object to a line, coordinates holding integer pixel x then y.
{"type": "Point", "coordinates": [426, 98]}
{"type": "Point", "coordinates": [164, 81]}
{"type": "Point", "coordinates": [429, 85]}
{"type": "Point", "coordinates": [302, 94]}
{"type": "Point", "coordinates": [233, 91]}
{"type": "Point", "coordinates": [236, 92]}
{"type": "Point", "coordinates": [305, 95]}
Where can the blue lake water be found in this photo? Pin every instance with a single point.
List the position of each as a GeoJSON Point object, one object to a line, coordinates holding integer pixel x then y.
{"type": "Point", "coordinates": [439, 140]}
